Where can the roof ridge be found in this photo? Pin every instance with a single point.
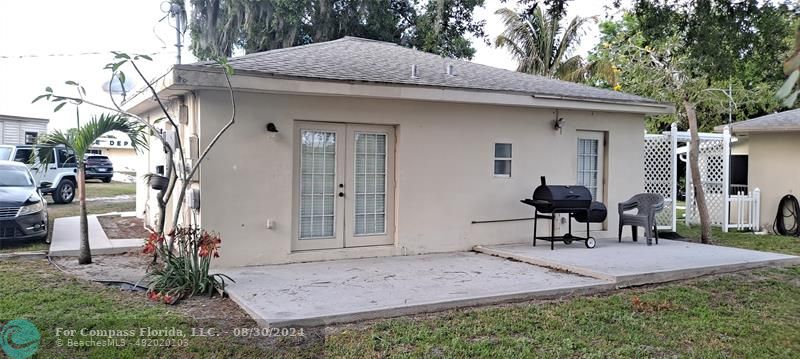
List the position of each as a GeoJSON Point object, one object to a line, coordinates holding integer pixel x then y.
{"type": "Point", "coordinates": [273, 51]}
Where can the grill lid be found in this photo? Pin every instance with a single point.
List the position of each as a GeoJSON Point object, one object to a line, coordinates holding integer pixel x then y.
{"type": "Point", "coordinates": [547, 198]}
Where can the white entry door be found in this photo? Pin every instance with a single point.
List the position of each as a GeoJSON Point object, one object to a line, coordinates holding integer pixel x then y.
{"type": "Point", "coordinates": [590, 166]}
{"type": "Point", "coordinates": [346, 186]}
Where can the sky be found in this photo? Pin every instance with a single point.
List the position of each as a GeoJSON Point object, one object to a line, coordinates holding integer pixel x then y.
{"type": "Point", "coordinates": [72, 40]}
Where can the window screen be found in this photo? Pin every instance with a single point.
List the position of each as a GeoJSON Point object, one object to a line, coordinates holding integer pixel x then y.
{"type": "Point", "coordinates": [370, 183]}
{"type": "Point", "coordinates": [317, 184]}
{"type": "Point", "coordinates": [587, 164]}
{"type": "Point", "coordinates": [502, 159]}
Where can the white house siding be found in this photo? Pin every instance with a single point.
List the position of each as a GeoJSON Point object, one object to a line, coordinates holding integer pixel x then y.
{"type": "Point", "coordinates": [12, 128]}
{"type": "Point", "coordinates": [443, 170]}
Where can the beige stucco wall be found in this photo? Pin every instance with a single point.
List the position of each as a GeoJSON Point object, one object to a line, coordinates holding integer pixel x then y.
{"type": "Point", "coordinates": [444, 178]}
{"type": "Point", "coordinates": [774, 167]}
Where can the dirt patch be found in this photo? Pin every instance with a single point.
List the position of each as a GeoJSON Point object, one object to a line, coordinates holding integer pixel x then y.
{"type": "Point", "coordinates": [129, 267]}
{"type": "Point", "coordinates": [118, 227]}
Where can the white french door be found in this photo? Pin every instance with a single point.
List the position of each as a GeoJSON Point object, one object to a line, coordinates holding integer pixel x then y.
{"type": "Point", "coordinates": [345, 196]}
{"type": "Point", "coordinates": [590, 166]}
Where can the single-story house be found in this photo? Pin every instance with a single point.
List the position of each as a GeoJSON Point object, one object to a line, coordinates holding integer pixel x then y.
{"type": "Point", "coordinates": [358, 148]}
{"type": "Point", "coordinates": [773, 166]}
{"type": "Point", "coordinates": [117, 147]}
{"type": "Point", "coordinates": [17, 130]}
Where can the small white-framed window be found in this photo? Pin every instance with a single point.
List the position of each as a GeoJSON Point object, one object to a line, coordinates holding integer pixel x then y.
{"type": "Point", "coordinates": [30, 137]}
{"type": "Point", "coordinates": [502, 160]}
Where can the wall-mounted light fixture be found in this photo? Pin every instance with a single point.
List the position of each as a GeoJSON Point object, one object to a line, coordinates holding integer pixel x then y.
{"type": "Point", "coordinates": [272, 130]}
{"type": "Point", "coordinates": [558, 123]}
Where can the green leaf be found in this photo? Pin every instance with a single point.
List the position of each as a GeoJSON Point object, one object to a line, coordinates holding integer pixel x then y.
{"type": "Point", "coordinates": [789, 101]}
{"type": "Point", "coordinates": [83, 90]}
{"type": "Point", "coordinates": [59, 106]}
{"type": "Point", "coordinates": [48, 89]}
{"type": "Point", "coordinates": [120, 55]}
{"type": "Point", "coordinates": [121, 78]}
{"type": "Point", "coordinates": [39, 98]}
{"type": "Point", "coordinates": [116, 66]}
{"type": "Point", "coordinates": [788, 85]}
{"type": "Point", "coordinates": [142, 56]}
{"type": "Point", "coordinates": [72, 83]}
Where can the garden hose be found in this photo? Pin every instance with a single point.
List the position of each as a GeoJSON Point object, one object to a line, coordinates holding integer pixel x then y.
{"type": "Point", "coordinates": [788, 207]}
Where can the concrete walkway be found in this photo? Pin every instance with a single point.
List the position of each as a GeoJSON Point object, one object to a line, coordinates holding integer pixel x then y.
{"type": "Point", "coordinates": [634, 263]}
{"type": "Point", "coordinates": [66, 239]}
{"type": "Point", "coordinates": [350, 290]}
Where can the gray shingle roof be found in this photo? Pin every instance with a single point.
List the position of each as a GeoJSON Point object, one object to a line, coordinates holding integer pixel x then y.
{"type": "Point", "coordinates": [356, 59]}
{"type": "Point", "coordinates": [781, 121]}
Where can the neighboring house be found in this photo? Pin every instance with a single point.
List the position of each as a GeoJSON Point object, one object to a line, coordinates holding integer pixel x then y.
{"type": "Point", "coordinates": [384, 150]}
{"type": "Point", "coordinates": [117, 147]}
{"type": "Point", "coordinates": [773, 162]}
{"type": "Point", "coordinates": [16, 130]}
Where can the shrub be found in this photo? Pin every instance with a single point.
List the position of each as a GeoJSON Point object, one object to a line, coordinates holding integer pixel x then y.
{"type": "Point", "coordinates": [184, 272]}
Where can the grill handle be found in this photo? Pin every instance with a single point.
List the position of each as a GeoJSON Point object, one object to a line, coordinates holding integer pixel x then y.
{"type": "Point", "coordinates": [544, 181]}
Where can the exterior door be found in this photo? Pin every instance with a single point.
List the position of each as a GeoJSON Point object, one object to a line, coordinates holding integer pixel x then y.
{"type": "Point", "coordinates": [369, 195]}
{"type": "Point", "coordinates": [345, 192]}
{"type": "Point", "coordinates": [590, 167]}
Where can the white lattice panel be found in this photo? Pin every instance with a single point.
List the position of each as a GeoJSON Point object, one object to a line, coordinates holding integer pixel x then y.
{"type": "Point", "coordinates": [711, 160]}
{"type": "Point", "coordinates": [658, 157]}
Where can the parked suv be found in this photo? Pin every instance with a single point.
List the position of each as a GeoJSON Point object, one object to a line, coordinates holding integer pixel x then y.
{"type": "Point", "coordinates": [99, 167]}
{"type": "Point", "coordinates": [57, 179]}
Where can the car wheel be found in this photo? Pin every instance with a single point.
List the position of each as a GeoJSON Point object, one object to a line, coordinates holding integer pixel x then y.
{"type": "Point", "coordinates": [106, 179]}
{"type": "Point", "coordinates": [65, 192]}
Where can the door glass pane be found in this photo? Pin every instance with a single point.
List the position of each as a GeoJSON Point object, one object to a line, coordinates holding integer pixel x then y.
{"type": "Point", "coordinates": [587, 165]}
{"type": "Point", "coordinates": [317, 183]}
{"type": "Point", "coordinates": [370, 184]}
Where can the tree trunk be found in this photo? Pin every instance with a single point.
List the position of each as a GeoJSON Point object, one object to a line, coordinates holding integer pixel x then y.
{"type": "Point", "coordinates": [699, 194]}
{"type": "Point", "coordinates": [85, 256]}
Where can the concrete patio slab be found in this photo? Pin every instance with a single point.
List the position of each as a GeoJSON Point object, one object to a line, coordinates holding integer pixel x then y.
{"type": "Point", "coordinates": [66, 239]}
{"type": "Point", "coordinates": [634, 263]}
{"type": "Point", "coordinates": [319, 293]}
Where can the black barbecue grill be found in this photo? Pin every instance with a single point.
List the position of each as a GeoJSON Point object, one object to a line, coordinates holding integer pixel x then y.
{"type": "Point", "coordinates": [576, 201]}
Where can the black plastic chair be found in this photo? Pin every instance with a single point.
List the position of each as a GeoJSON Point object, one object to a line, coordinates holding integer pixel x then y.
{"type": "Point", "coordinates": [646, 206]}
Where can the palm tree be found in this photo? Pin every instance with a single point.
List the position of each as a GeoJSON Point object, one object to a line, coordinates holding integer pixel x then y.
{"type": "Point", "coordinates": [536, 40]}
{"type": "Point", "coordinates": [79, 141]}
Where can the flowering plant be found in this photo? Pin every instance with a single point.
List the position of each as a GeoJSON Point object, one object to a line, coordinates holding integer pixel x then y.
{"type": "Point", "coordinates": [183, 272]}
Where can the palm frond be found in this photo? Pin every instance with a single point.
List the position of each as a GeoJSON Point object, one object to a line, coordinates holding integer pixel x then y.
{"type": "Point", "coordinates": [80, 140]}
{"type": "Point", "coordinates": [536, 41]}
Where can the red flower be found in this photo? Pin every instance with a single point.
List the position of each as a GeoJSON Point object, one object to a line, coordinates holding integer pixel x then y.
{"type": "Point", "coordinates": [209, 245]}
{"type": "Point", "coordinates": [150, 243]}
{"type": "Point", "coordinates": [168, 299]}
{"type": "Point", "coordinates": [149, 248]}
{"type": "Point", "coordinates": [153, 295]}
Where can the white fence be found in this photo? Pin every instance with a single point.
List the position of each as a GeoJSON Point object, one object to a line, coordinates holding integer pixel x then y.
{"type": "Point", "coordinates": [661, 156]}
{"type": "Point", "coordinates": [744, 210]}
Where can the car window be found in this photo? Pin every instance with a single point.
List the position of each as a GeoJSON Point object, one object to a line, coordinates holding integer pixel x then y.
{"type": "Point", "coordinates": [23, 155]}
{"type": "Point", "coordinates": [45, 155]}
{"type": "Point", "coordinates": [66, 158]}
{"type": "Point", "coordinates": [5, 153]}
{"type": "Point", "coordinates": [14, 177]}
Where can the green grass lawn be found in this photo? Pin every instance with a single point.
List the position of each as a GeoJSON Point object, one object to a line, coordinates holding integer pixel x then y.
{"type": "Point", "coordinates": [96, 189]}
{"type": "Point", "coordinates": [93, 190]}
{"type": "Point", "coordinates": [761, 242]}
{"type": "Point", "coordinates": [36, 291]}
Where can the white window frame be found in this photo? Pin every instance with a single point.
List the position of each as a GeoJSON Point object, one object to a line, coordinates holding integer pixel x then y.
{"type": "Point", "coordinates": [509, 159]}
